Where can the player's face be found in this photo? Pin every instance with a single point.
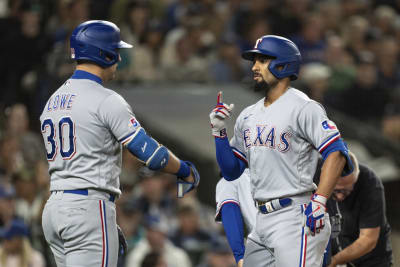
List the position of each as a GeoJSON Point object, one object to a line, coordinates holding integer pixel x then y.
{"type": "Point", "coordinates": [343, 188]}
{"type": "Point", "coordinates": [262, 76]}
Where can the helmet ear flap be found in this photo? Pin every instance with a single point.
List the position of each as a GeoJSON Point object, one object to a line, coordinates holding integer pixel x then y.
{"type": "Point", "coordinates": [284, 69]}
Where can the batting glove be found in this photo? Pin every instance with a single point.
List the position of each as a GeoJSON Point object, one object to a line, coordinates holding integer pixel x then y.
{"type": "Point", "coordinates": [185, 186]}
{"type": "Point", "coordinates": [314, 213]}
{"type": "Point", "coordinates": [218, 116]}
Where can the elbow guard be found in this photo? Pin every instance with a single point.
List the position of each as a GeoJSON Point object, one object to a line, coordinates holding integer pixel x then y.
{"type": "Point", "coordinates": [148, 150]}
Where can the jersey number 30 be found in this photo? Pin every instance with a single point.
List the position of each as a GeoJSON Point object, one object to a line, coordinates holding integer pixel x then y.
{"type": "Point", "coordinates": [66, 129]}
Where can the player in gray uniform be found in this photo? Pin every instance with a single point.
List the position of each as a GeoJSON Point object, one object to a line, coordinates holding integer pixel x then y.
{"type": "Point", "coordinates": [84, 127]}
{"type": "Point", "coordinates": [235, 205]}
{"type": "Point", "coordinates": [279, 139]}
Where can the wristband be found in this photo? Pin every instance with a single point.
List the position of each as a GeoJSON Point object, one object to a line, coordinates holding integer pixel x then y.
{"type": "Point", "coordinates": [184, 170]}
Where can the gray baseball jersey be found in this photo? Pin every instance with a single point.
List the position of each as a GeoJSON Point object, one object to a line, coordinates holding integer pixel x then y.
{"type": "Point", "coordinates": [237, 191]}
{"type": "Point", "coordinates": [83, 126]}
{"type": "Point", "coordinates": [281, 144]}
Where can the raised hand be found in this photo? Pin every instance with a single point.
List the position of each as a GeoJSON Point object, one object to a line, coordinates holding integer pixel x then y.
{"type": "Point", "coordinates": [218, 116]}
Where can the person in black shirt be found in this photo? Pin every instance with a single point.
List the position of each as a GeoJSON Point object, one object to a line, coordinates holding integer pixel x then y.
{"type": "Point", "coordinates": [360, 231]}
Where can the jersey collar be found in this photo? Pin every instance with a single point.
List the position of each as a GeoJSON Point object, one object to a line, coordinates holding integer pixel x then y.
{"type": "Point", "coordinates": [81, 74]}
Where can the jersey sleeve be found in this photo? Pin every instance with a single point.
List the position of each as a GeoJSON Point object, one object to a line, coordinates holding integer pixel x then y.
{"type": "Point", "coordinates": [315, 127]}
{"type": "Point", "coordinates": [117, 115]}
{"type": "Point", "coordinates": [236, 143]}
{"type": "Point", "coordinates": [225, 192]}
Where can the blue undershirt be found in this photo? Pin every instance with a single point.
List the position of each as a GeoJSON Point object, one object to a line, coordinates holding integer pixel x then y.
{"type": "Point", "coordinates": [233, 224]}
{"type": "Point", "coordinates": [231, 166]}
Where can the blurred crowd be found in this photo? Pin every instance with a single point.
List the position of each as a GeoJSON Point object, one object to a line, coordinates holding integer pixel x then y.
{"type": "Point", "coordinates": [350, 63]}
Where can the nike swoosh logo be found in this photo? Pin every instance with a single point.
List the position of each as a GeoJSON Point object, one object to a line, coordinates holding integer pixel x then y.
{"type": "Point", "coordinates": [144, 147]}
{"type": "Point", "coordinates": [245, 118]}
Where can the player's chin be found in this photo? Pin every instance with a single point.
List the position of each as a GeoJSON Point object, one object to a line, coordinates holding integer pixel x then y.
{"type": "Point", "coordinates": [258, 78]}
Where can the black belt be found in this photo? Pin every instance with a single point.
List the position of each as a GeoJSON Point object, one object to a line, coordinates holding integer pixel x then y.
{"type": "Point", "coordinates": [272, 205]}
{"type": "Point", "coordinates": [85, 192]}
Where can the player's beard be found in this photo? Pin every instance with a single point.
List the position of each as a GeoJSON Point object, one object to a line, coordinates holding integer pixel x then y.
{"type": "Point", "coordinates": [262, 86]}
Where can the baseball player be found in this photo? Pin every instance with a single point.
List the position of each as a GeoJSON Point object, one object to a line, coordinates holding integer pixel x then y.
{"type": "Point", "coordinates": [278, 139]}
{"type": "Point", "coordinates": [84, 126]}
{"type": "Point", "coordinates": [235, 205]}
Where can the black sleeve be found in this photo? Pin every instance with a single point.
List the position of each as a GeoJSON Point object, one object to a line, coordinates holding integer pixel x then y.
{"type": "Point", "coordinates": [372, 202]}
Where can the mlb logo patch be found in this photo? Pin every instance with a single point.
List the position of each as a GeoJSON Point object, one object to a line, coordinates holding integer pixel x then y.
{"type": "Point", "coordinates": [134, 122]}
{"type": "Point", "coordinates": [329, 125]}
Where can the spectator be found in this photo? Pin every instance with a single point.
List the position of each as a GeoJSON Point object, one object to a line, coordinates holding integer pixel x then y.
{"type": "Point", "coordinates": [311, 40]}
{"type": "Point", "coordinates": [145, 57]}
{"type": "Point", "coordinates": [391, 119]}
{"type": "Point", "coordinates": [389, 68]}
{"type": "Point", "coordinates": [156, 240]}
{"type": "Point", "coordinates": [228, 67]}
{"type": "Point", "coordinates": [16, 250]}
{"type": "Point", "coordinates": [206, 214]}
{"type": "Point", "coordinates": [355, 32]}
{"type": "Point", "coordinates": [7, 204]}
{"type": "Point", "coordinates": [11, 158]}
{"type": "Point", "coordinates": [130, 220]}
{"type": "Point", "coordinates": [218, 255]}
{"type": "Point", "coordinates": [150, 195]}
{"type": "Point", "coordinates": [153, 259]}
{"type": "Point", "coordinates": [316, 79]}
{"type": "Point", "coordinates": [190, 236]}
{"type": "Point", "coordinates": [29, 202]}
{"type": "Point", "coordinates": [341, 64]}
{"type": "Point", "coordinates": [187, 48]}
{"type": "Point", "coordinates": [332, 15]}
{"type": "Point", "coordinates": [384, 19]}
{"type": "Point", "coordinates": [371, 96]}
{"type": "Point", "coordinates": [136, 21]}
{"type": "Point", "coordinates": [360, 231]}
{"type": "Point", "coordinates": [29, 143]}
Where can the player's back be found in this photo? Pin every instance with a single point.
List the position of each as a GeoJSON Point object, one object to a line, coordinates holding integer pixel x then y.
{"type": "Point", "coordinates": [81, 150]}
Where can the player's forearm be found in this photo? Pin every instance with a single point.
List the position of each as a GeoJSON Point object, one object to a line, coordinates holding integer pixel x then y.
{"type": "Point", "coordinates": [231, 167]}
{"type": "Point", "coordinates": [331, 171]}
{"type": "Point", "coordinates": [357, 249]}
{"type": "Point", "coordinates": [174, 166]}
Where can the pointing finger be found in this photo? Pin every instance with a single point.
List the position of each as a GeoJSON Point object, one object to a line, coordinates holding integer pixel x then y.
{"type": "Point", "coordinates": [219, 97]}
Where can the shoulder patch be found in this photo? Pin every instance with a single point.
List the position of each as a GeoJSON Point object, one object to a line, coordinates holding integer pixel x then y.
{"type": "Point", "coordinates": [133, 122]}
{"type": "Point", "coordinates": [329, 125]}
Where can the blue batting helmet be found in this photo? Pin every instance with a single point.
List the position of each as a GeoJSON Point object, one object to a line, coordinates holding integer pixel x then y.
{"type": "Point", "coordinates": [284, 53]}
{"type": "Point", "coordinates": [97, 41]}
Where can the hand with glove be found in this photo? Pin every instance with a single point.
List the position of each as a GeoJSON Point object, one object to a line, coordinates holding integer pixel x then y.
{"type": "Point", "coordinates": [184, 186]}
{"type": "Point", "coordinates": [218, 116]}
{"type": "Point", "coordinates": [314, 214]}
